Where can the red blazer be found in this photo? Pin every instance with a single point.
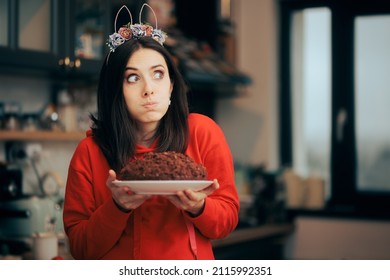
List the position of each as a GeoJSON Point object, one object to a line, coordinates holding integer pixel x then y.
{"type": "Point", "coordinates": [157, 229]}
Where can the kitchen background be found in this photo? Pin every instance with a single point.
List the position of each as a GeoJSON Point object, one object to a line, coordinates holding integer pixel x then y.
{"type": "Point", "coordinates": [278, 76]}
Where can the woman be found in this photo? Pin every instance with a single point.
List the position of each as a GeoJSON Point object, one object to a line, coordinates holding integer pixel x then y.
{"type": "Point", "coordinates": [142, 107]}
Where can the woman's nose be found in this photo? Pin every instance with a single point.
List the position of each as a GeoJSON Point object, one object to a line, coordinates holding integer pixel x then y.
{"type": "Point", "coordinates": [148, 89]}
{"type": "Point", "coordinates": [147, 93]}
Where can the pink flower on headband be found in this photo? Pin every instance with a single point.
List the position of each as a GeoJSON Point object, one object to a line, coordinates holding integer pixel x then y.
{"type": "Point", "coordinates": [148, 30]}
{"type": "Point", "coordinates": [125, 32]}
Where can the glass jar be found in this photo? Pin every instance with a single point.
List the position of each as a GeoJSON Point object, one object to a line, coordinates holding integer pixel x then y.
{"type": "Point", "coordinates": [30, 122]}
{"type": "Point", "coordinates": [12, 118]}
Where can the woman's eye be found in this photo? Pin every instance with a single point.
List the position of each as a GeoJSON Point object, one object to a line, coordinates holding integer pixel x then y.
{"type": "Point", "coordinates": [132, 78]}
{"type": "Point", "coordinates": [158, 75]}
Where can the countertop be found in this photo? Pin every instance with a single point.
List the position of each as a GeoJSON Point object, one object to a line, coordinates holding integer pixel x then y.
{"type": "Point", "coordinates": [253, 233]}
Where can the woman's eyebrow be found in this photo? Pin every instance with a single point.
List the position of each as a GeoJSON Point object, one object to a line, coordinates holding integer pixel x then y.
{"type": "Point", "coordinates": [156, 66]}
{"type": "Point", "coordinates": [153, 67]}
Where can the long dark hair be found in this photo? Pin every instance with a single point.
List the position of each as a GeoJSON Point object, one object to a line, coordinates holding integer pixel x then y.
{"type": "Point", "coordinates": [113, 128]}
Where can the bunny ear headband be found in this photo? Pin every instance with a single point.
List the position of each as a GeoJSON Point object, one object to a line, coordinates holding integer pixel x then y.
{"type": "Point", "coordinates": [134, 31]}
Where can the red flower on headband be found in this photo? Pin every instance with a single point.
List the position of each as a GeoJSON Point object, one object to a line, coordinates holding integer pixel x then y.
{"type": "Point", "coordinates": [148, 30]}
{"type": "Point", "coordinates": [125, 32]}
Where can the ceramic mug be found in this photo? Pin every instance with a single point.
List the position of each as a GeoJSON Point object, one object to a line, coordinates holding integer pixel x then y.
{"type": "Point", "coordinates": [45, 245]}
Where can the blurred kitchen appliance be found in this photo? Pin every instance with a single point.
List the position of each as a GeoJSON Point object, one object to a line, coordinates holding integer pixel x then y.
{"type": "Point", "coordinates": [10, 182]}
{"type": "Point", "coordinates": [25, 216]}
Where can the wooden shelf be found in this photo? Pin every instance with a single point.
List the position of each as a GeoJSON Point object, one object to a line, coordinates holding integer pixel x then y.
{"type": "Point", "coordinates": [6, 135]}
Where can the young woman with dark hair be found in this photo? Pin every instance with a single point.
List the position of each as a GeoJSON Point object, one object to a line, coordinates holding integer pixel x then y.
{"type": "Point", "coordinates": [116, 128]}
{"type": "Point", "coordinates": [142, 107]}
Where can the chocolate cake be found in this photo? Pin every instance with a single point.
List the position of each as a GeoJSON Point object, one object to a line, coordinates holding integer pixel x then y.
{"type": "Point", "coordinates": [163, 166]}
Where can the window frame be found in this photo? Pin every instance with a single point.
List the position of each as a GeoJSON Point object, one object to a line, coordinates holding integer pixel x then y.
{"type": "Point", "coordinates": [343, 166]}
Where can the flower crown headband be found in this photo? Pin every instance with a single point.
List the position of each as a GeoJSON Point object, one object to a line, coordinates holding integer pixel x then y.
{"type": "Point", "coordinates": [134, 31]}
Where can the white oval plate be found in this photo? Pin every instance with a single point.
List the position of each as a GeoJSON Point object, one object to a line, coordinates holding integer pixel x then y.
{"type": "Point", "coordinates": [163, 187]}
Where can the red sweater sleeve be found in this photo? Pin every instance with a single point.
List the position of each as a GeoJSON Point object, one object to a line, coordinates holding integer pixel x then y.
{"type": "Point", "coordinates": [93, 230]}
{"type": "Point", "coordinates": [209, 146]}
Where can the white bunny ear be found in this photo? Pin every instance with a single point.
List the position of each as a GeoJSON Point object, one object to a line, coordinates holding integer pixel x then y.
{"type": "Point", "coordinates": [154, 14]}
{"type": "Point", "coordinates": [116, 17]}
{"type": "Point", "coordinates": [157, 34]}
{"type": "Point", "coordinates": [134, 31]}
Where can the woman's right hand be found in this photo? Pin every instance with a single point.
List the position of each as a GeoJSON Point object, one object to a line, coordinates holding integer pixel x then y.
{"type": "Point", "coordinates": [124, 198]}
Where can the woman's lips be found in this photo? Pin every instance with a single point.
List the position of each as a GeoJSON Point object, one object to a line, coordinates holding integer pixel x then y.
{"type": "Point", "coordinates": [150, 105]}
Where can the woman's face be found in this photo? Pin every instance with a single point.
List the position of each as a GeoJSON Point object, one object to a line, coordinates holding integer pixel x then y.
{"type": "Point", "coordinates": [147, 87]}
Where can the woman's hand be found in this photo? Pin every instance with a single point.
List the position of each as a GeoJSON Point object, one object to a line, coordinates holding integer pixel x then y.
{"type": "Point", "coordinates": [191, 201]}
{"type": "Point", "coordinates": [124, 198]}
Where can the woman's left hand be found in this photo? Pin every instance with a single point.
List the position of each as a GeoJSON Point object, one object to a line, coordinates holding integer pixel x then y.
{"type": "Point", "coordinates": [192, 201]}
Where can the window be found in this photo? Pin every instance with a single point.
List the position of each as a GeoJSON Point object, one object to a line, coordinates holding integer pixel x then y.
{"type": "Point", "coordinates": [311, 92]}
{"type": "Point", "coordinates": [334, 65]}
{"type": "Point", "coordinates": [372, 84]}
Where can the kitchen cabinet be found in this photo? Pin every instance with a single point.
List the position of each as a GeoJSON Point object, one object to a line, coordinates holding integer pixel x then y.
{"type": "Point", "coordinates": [88, 27]}
{"type": "Point", "coordinates": [54, 36]}
{"type": "Point", "coordinates": [19, 47]}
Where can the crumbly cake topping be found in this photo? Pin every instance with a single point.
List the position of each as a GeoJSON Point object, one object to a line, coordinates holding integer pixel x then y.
{"type": "Point", "coordinates": [163, 166]}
